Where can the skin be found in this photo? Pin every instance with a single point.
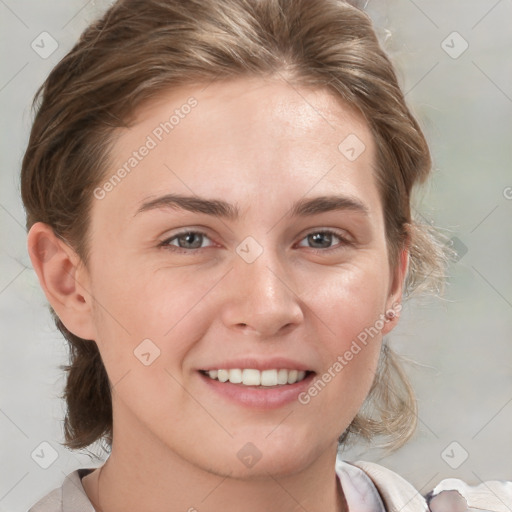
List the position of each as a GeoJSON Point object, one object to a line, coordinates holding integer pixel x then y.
{"type": "Point", "coordinates": [260, 145]}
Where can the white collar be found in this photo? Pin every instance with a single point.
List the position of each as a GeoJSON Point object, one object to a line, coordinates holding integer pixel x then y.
{"type": "Point", "coordinates": [359, 490]}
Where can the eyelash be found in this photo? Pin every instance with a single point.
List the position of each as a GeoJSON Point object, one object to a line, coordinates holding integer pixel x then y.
{"type": "Point", "coordinates": [343, 241]}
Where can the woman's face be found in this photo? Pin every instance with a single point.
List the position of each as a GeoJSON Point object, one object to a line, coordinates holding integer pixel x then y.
{"type": "Point", "coordinates": [247, 235]}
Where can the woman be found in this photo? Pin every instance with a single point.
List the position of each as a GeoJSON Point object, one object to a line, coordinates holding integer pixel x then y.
{"type": "Point", "coordinates": [218, 204]}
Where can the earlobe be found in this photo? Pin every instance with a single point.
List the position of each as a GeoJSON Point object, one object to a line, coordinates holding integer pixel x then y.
{"type": "Point", "coordinates": [56, 265]}
{"type": "Point", "coordinates": [394, 304]}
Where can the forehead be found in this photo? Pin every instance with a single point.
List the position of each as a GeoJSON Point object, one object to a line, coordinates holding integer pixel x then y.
{"type": "Point", "coordinates": [248, 139]}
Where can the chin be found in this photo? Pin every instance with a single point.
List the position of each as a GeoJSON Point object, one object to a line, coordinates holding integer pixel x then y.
{"type": "Point", "coordinates": [273, 466]}
{"type": "Point", "coordinates": [278, 457]}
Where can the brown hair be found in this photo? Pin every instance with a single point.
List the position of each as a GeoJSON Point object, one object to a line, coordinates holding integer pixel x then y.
{"type": "Point", "coordinates": [142, 47]}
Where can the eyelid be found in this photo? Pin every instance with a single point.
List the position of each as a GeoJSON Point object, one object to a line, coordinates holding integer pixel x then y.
{"type": "Point", "coordinates": [339, 232]}
{"type": "Point", "coordinates": [165, 243]}
{"type": "Point", "coordinates": [344, 237]}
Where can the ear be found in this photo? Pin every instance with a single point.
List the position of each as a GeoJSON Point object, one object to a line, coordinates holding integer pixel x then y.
{"type": "Point", "coordinates": [394, 302]}
{"type": "Point", "coordinates": [63, 279]}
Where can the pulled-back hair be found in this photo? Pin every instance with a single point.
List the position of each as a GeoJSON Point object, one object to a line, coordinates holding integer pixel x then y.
{"type": "Point", "coordinates": [141, 48]}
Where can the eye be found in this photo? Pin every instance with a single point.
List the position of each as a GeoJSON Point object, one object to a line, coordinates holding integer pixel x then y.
{"type": "Point", "coordinates": [186, 240]}
{"type": "Point", "coordinates": [324, 239]}
{"type": "Point", "coordinates": [190, 241]}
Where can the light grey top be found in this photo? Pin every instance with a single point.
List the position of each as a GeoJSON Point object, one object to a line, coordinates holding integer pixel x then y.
{"type": "Point", "coordinates": [368, 487]}
{"type": "Point", "coordinates": [70, 497]}
{"type": "Point", "coordinates": [361, 494]}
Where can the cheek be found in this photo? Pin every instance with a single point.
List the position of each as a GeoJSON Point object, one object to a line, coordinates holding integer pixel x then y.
{"type": "Point", "coordinates": [350, 309]}
{"type": "Point", "coordinates": [167, 308]}
{"type": "Point", "coordinates": [350, 301]}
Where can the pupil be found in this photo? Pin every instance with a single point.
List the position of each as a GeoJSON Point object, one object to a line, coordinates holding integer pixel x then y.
{"type": "Point", "coordinates": [317, 237]}
{"type": "Point", "coordinates": [188, 238]}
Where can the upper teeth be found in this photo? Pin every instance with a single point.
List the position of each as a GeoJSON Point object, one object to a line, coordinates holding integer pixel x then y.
{"type": "Point", "coordinates": [252, 377]}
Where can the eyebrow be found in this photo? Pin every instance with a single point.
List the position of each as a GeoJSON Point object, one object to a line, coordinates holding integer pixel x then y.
{"type": "Point", "coordinates": [220, 208]}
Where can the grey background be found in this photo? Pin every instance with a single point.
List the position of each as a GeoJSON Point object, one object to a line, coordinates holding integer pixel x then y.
{"type": "Point", "coordinates": [461, 343]}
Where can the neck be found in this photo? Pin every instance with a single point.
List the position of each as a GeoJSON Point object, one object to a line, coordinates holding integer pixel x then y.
{"type": "Point", "coordinates": [149, 476]}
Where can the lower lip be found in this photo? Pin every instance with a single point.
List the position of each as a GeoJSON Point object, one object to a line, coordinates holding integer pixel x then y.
{"type": "Point", "coordinates": [259, 397]}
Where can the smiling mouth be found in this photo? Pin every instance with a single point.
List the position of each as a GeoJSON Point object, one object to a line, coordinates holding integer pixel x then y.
{"type": "Point", "coordinates": [257, 378]}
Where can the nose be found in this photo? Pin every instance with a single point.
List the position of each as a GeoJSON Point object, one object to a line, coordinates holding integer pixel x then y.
{"type": "Point", "coordinates": [261, 299]}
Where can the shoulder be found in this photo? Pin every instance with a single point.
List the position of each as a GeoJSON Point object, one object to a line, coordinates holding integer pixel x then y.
{"type": "Point", "coordinates": [70, 497]}
{"type": "Point", "coordinates": [396, 492]}
{"type": "Point", "coordinates": [50, 503]}
{"type": "Point", "coordinates": [399, 495]}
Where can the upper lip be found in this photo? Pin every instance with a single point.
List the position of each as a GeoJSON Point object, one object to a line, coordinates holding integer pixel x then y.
{"type": "Point", "coordinates": [275, 363]}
